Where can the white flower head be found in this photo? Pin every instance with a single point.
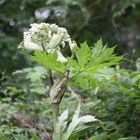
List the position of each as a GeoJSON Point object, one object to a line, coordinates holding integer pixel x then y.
{"type": "Point", "coordinates": [47, 37]}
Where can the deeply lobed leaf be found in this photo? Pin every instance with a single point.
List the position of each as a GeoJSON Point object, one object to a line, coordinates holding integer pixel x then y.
{"type": "Point", "coordinates": [49, 61]}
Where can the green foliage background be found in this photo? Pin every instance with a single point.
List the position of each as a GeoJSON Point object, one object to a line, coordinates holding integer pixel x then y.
{"type": "Point", "coordinates": [114, 96]}
{"type": "Point", "coordinates": [116, 21]}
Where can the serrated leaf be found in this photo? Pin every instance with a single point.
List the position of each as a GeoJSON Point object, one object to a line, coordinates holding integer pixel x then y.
{"type": "Point", "coordinates": [102, 57]}
{"type": "Point", "coordinates": [82, 81]}
{"type": "Point", "coordinates": [49, 61]}
{"type": "Point", "coordinates": [73, 65]}
{"type": "Point", "coordinates": [92, 62]}
{"type": "Point", "coordinates": [83, 54]}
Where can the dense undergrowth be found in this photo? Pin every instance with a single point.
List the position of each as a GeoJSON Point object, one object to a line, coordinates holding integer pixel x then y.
{"type": "Point", "coordinates": [111, 96]}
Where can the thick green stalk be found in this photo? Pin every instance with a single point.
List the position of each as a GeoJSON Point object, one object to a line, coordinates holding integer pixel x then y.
{"type": "Point", "coordinates": [55, 113]}
{"type": "Point", "coordinates": [56, 94]}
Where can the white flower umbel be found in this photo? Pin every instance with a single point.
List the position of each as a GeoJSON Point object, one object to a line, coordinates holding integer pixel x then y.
{"type": "Point", "coordinates": [49, 38]}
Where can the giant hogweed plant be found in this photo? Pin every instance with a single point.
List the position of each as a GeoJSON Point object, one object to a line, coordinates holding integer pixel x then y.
{"type": "Point", "coordinates": [65, 61]}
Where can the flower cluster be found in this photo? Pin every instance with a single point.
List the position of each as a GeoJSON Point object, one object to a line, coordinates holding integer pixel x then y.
{"type": "Point", "coordinates": [49, 38]}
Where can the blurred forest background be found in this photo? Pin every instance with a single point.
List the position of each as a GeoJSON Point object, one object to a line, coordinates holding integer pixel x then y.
{"type": "Point", "coordinates": [23, 87]}
{"type": "Point", "coordinates": [116, 21]}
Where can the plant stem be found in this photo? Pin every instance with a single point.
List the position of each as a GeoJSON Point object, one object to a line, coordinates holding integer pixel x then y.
{"type": "Point", "coordinates": [57, 92]}
{"type": "Point", "coordinates": [55, 113]}
{"type": "Point", "coordinates": [50, 78]}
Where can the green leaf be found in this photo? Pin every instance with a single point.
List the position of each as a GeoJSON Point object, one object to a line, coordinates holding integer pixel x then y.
{"type": "Point", "coordinates": [35, 137]}
{"type": "Point", "coordinates": [93, 138]}
{"type": "Point", "coordinates": [77, 125]}
{"type": "Point", "coordinates": [73, 124]}
{"type": "Point", "coordinates": [82, 81]}
{"type": "Point", "coordinates": [2, 137]}
{"type": "Point", "coordinates": [92, 66]}
{"type": "Point", "coordinates": [102, 57]}
{"type": "Point", "coordinates": [21, 137]}
{"type": "Point", "coordinates": [49, 61]}
{"type": "Point", "coordinates": [91, 61]}
{"type": "Point", "coordinates": [83, 54]}
{"type": "Point", "coordinates": [73, 65]}
{"type": "Point", "coordinates": [77, 121]}
{"type": "Point", "coordinates": [61, 126]}
{"type": "Point", "coordinates": [128, 138]}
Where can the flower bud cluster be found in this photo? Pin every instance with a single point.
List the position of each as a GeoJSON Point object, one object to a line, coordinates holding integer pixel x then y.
{"type": "Point", "coordinates": [49, 38]}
